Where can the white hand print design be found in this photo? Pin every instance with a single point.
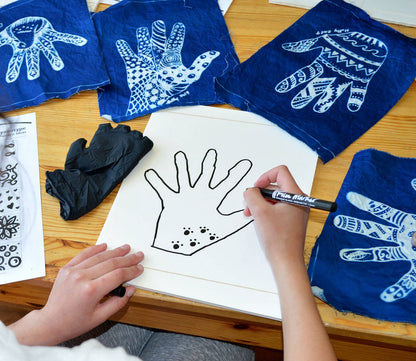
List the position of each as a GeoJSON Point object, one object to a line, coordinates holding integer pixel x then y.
{"type": "Point", "coordinates": [404, 225]}
{"type": "Point", "coordinates": [190, 219]}
{"type": "Point", "coordinates": [156, 75]}
{"type": "Point", "coordinates": [30, 36]}
{"type": "Point", "coordinates": [346, 60]}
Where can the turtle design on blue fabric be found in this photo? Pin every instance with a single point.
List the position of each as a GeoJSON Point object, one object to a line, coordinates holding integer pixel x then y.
{"type": "Point", "coordinates": [346, 60]}
{"type": "Point", "coordinates": [29, 37]}
{"type": "Point", "coordinates": [156, 74]}
{"type": "Point", "coordinates": [400, 234]}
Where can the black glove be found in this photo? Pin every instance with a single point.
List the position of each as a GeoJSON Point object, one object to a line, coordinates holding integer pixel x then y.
{"type": "Point", "coordinates": [92, 173]}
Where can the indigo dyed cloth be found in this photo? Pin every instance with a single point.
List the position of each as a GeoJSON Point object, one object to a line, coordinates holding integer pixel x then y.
{"type": "Point", "coordinates": [160, 54]}
{"type": "Point", "coordinates": [364, 261]}
{"type": "Point", "coordinates": [326, 79]}
{"type": "Point", "coordinates": [92, 173]}
{"type": "Point", "coordinates": [48, 49]}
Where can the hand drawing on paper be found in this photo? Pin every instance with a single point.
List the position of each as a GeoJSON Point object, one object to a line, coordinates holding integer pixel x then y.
{"type": "Point", "coordinates": [156, 75]}
{"type": "Point", "coordinates": [346, 60]}
{"type": "Point", "coordinates": [30, 36]}
{"type": "Point", "coordinates": [400, 234]}
{"type": "Point", "coordinates": [190, 219]}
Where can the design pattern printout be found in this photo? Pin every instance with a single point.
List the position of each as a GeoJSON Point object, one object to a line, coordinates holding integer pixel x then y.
{"type": "Point", "coordinates": [21, 239]}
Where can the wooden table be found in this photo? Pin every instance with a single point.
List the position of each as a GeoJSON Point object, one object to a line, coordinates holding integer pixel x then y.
{"type": "Point", "coordinates": [252, 24]}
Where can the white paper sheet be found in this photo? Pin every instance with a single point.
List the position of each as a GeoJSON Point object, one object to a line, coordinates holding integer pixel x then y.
{"type": "Point", "coordinates": [401, 12]}
{"type": "Point", "coordinates": [198, 252]}
{"type": "Point", "coordinates": [223, 4]}
{"type": "Point", "coordinates": [21, 234]}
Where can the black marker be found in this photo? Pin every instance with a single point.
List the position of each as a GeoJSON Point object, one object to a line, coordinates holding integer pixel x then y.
{"type": "Point", "coordinates": [120, 291]}
{"type": "Point", "coordinates": [298, 200]}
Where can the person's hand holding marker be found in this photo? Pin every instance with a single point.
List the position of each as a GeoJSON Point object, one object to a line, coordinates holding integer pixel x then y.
{"type": "Point", "coordinates": [281, 229]}
{"type": "Point", "coordinates": [280, 226]}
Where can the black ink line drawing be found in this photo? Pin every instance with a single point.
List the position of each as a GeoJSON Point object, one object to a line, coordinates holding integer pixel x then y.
{"type": "Point", "coordinates": [8, 175]}
{"type": "Point", "coordinates": [190, 219]}
{"type": "Point", "coordinates": [10, 208]}
{"type": "Point", "coordinates": [10, 256]}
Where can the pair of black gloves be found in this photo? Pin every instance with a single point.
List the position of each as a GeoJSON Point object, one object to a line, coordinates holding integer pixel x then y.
{"type": "Point", "coordinates": [92, 173]}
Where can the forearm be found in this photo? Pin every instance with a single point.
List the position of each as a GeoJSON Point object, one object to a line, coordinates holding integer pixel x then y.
{"type": "Point", "coordinates": [305, 337]}
{"type": "Point", "coordinates": [32, 330]}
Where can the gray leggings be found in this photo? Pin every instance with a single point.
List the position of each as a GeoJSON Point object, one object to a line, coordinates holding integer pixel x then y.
{"type": "Point", "coordinates": [151, 345]}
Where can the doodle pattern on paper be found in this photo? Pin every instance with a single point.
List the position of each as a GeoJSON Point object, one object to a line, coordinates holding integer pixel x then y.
{"type": "Point", "coordinates": [156, 75]}
{"type": "Point", "coordinates": [190, 219]}
{"type": "Point", "coordinates": [403, 225]}
{"type": "Point", "coordinates": [347, 60]}
{"type": "Point", "coordinates": [29, 37]}
{"type": "Point", "coordinates": [10, 210]}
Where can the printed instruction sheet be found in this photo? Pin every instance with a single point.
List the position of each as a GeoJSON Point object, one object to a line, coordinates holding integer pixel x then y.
{"type": "Point", "coordinates": [21, 234]}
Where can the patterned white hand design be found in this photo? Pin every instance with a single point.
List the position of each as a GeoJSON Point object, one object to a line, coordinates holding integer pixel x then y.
{"type": "Point", "coordinates": [400, 234]}
{"type": "Point", "coordinates": [346, 60]}
{"type": "Point", "coordinates": [190, 219]}
{"type": "Point", "coordinates": [156, 75]}
{"type": "Point", "coordinates": [28, 37]}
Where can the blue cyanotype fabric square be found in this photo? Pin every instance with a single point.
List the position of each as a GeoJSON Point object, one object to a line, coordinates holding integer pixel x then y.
{"type": "Point", "coordinates": [363, 261]}
{"type": "Point", "coordinates": [48, 49]}
{"type": "Point", "coordinates": [327, 78]}
{"type": "Point", "coordinates": [161, 54]}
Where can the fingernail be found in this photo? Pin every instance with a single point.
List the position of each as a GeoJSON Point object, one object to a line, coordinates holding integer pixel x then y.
{"type": "Point", "coordinates": [140, 267]}
{"type": "Point", "coordinates": [130, 291]}
{"type": "Point", "coordinates": [140, 254]}
{"type": "Point", "coordinates": [125, 247]}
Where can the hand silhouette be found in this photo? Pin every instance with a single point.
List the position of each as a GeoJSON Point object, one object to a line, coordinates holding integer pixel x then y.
{"type": "Point", "coordinates": [30, 36]}
{"type": "Point", "coordinates": [156, 75]}
{"type": "Point", "coordinates": [346, 60]}
{"type": "Point", "coordinates": [190, 219]}
{"type": "Point", "coordinates": [404, 225]}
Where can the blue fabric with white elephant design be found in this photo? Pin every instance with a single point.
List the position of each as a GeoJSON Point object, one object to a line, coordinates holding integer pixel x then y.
{"type": "Point", "coordinates": [161, 54]}
{"type": "Point", "coordinates": [48, 49]}
{"type": "Point", "coordinates": [364, 261]}
{"type": "Point", "coordinates": [327, 78]}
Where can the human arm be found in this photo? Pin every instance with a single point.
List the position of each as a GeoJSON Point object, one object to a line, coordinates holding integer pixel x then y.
{"type": "Point", "coordinates": [281, 229]}
{"type": "Point", "coordinates": [76, 303]}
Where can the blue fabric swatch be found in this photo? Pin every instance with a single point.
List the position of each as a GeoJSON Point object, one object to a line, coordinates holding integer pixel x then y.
{"type": "Point", "coordinates": [363, 261]}
{"type": "Point", "coordinates": [161, 54]}
{"type": "Point", "coordinates": [48, 49]}
{"type": "Point", "coordinates": [327, 78]}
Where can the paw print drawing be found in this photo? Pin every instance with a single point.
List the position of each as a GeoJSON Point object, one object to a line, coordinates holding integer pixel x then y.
{"type": "Point", "coordinates": [400, 233]}
{"type": "Point", "coordinates": [29, 37]}
{"type": "Point", "coordinates": [346, 60]}
{"type": "Point", "coordinates": [190, 219]}
{"type": "Point", "coordinates": [156, 74]}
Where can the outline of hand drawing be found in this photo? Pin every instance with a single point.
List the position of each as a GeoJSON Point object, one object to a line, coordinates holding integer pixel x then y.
{"type": "Point", "coordinates": [190, 218]}
{"type": "Point", "coordinates": [346, 60]}
{"type": "Point", "coordinates": [156, 74]}
{"type": "Point", "coordinates": [404, 225]}
{"type": "Point", "coordinates": [28, 37]}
